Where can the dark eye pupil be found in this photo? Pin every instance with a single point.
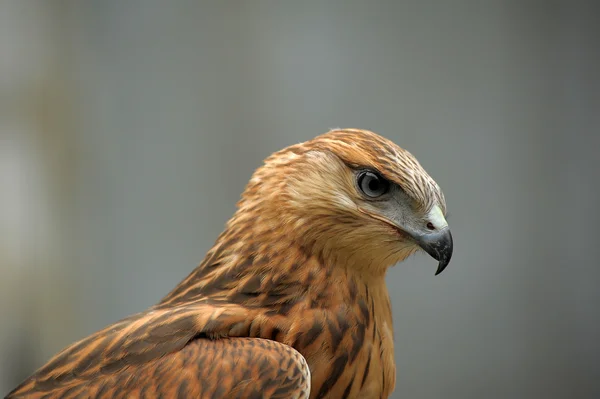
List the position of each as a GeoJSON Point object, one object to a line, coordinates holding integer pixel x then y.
{"type": "Point", "coordinates": [372, 185]}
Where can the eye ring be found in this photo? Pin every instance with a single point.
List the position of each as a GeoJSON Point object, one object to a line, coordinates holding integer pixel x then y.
{"type": "Point", "coordinates": [372, 184]}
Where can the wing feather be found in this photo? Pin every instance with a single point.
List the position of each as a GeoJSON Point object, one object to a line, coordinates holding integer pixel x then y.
{"type": "Point", "coordinates": [128, 346]}
{"type": "Point", "coordinates": [225, 368]}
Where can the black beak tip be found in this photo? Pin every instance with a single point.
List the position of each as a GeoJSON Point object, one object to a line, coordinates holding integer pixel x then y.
{"type": "Point", "coordinates": [439, 246]}
{"type": "Point", "coordinates": [441, 266]}
{"type": "Point", "coordinates": [446, 254]}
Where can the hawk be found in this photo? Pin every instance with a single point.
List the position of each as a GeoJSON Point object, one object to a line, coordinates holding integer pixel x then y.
{"type": "Point", "coordinates": [291, 300]}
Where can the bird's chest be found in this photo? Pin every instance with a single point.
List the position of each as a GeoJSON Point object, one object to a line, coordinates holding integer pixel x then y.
{"type": "Point", "coordinates": [378, 352]}
{"type": "Point", "coordinates": [356, 363]}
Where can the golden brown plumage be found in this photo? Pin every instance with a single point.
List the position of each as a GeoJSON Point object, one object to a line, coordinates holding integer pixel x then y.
{"type": "Point", "coordinates": [291, 300]}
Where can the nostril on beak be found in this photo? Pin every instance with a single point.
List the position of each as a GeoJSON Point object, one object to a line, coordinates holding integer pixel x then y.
{"type": "Point", "coordinates": [430, 226]}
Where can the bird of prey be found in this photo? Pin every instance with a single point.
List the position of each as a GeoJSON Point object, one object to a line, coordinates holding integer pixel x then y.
{"type": "Point", "coordinates": [291, 300]}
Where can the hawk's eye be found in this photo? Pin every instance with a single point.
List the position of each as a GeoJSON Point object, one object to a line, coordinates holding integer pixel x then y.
{"type": "Point", "coordinates": [372, 185]}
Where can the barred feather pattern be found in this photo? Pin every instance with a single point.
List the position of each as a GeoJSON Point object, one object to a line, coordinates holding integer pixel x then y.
{"type": "Point", "coordinates": [291, 300]}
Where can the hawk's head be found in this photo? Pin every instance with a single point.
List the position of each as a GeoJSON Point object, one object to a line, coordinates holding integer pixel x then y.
{"type": "Point", "coordinates": [353, 197]}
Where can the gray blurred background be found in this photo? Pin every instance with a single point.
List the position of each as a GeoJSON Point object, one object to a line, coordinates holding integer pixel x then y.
{"type": "Point", "coordinates": [128, 129]}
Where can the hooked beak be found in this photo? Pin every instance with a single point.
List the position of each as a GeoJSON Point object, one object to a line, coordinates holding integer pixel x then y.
{"type": "Point", "coordinates": [439, 246]}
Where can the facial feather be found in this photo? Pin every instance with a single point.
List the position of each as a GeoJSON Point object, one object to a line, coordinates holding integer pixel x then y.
{"type": "Point", "coordinates": [308, 191]}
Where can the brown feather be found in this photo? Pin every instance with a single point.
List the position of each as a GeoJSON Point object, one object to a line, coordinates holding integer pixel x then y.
{"type": "Point", "coordinates": [297, 264]}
